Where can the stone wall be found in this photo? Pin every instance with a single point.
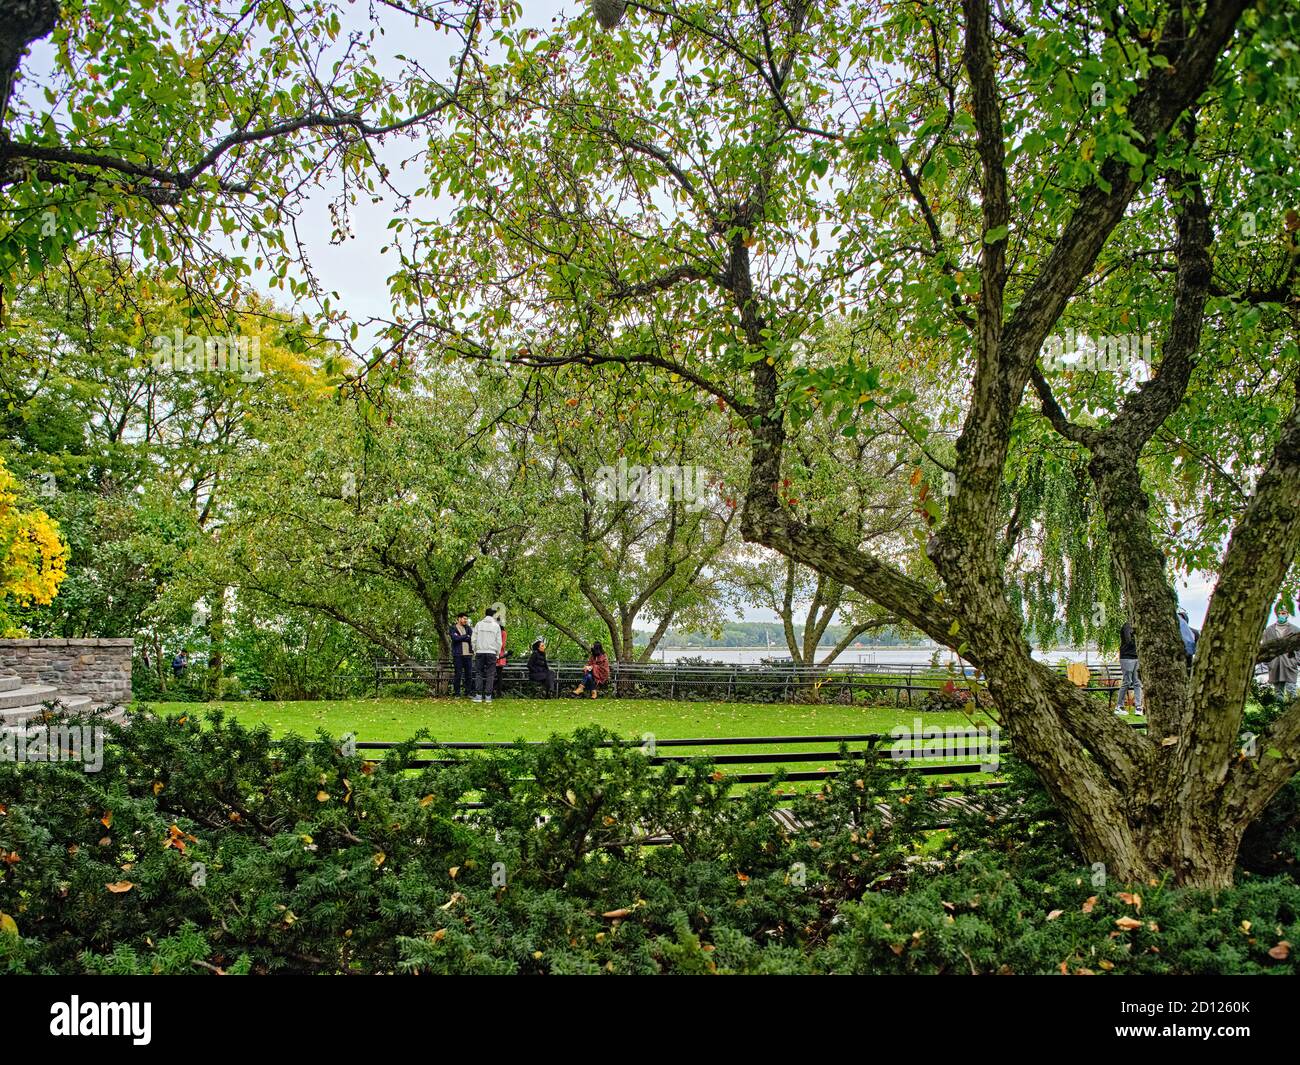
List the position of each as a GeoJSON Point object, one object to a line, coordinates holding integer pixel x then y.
{"type": "Point", "coordinates": [98, 668]}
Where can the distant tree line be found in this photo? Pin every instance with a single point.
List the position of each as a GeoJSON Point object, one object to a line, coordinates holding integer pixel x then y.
{"type": "Point", "coordinates": [760, 633]}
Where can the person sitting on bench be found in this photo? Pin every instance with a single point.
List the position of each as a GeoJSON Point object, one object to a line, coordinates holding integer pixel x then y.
{"type": "Point", "coordinates": [539, 669]}
{"type": "Point", "coordinates": [597, 673]}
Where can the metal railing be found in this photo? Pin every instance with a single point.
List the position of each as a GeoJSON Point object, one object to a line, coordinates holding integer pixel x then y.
{"type": "Point", "coordinates": [842, 682]}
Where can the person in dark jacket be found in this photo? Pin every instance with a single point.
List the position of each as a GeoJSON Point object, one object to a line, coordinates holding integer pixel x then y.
{"type": "Point", "coordinates": [462, 655]}
{"type": "Point", "coordinates": [597, 673]}
{"type": "Point", "coordinates": [1190, 636]}
{"type": "Point", "coordinates": [539, 669]}
{"type": "Point", "coordinates": [1128, 664]}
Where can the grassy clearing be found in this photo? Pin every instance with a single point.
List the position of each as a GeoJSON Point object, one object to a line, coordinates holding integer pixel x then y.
{"type": "Point", "coordinates": [536, 719]}
{"type": "Point", "coordinates": [511, 718]}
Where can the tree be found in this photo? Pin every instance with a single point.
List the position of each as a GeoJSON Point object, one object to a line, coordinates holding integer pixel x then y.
{"type": "Point", "coordinates": [685, 171]}
{"type": "Point", "coordinates": [156, 129]}
{"type": "Point", "coordinates": [116, 411]}
{"type": "Point", "coordinates": [385, 521]}
{"type": "Point", "coordinates": [33, 559]}
{"type": "Point", "coordinates": [858, 486]}
{"type": "Point", "coordinates": [636, 519]}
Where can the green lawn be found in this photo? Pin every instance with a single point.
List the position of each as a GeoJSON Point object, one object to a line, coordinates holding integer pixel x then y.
{"type": "Point", "coordinates": [535, 719]}
{"type": "Point", "coordinates": [510, 718]}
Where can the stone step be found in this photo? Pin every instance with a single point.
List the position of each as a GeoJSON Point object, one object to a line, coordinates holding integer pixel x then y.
{"type": "Point", "coordinates": [16, 715]}
{"type": "Point", "coordinates": [10, 681]}
{"type": "Point", "coordinates": [27, 694]}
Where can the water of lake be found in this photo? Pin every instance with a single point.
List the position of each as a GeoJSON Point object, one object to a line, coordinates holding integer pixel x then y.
{"type": "Point", "coordinates": [919, 655]}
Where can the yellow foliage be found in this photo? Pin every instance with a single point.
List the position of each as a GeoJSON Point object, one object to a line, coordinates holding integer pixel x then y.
{"type": "Point", "coordinates": [33, 557]}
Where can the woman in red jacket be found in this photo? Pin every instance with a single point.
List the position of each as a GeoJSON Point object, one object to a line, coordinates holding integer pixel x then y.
{"type": "Point", "coordinates": [597, 673]}
{"type": "Point", "coordinates": [501, 661]}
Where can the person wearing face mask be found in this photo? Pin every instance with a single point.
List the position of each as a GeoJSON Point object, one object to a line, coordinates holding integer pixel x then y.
{"type": "Point", "coordinates": [1282, 670]}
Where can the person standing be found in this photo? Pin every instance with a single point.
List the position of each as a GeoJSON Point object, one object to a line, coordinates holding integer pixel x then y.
{"type": "Point", "coordinates": [1130, 681]}
{"type": "Point", "coordinates": [462, 656]}
{"type": "Point", "coordinates": [1189, 636]}
{"type": "Point", "coordinates": [487, 646]}
{"type": "Point", "coordinates": [1283, 669]}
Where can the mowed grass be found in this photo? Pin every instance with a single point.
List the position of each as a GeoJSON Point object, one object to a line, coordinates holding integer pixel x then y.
{"type": "Point", "coordinates": [509, 718]}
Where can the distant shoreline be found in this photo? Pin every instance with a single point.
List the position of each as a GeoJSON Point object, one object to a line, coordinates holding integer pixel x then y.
{"type": "Point", "coordinates": [901, 654]}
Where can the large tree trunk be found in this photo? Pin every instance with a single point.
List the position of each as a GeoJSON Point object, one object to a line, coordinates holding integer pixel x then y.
{"type": "Point", "coordinates": [1174, 803]}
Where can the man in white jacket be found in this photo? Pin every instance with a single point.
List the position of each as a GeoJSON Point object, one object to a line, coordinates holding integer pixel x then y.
{"type": "Point", "coordinates": [487, 645]}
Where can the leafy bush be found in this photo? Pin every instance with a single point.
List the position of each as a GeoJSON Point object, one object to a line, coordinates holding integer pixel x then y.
{"type": "Point", "coordinates": [404, 689]}
{"type": "Point", "coordinates": [209, 846]}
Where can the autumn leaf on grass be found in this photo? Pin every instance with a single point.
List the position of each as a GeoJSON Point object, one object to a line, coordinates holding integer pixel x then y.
{"type": "Point", "coordinates": [107, 819]}
{"type": "Point", "coordinates": [1281, 952]}
{"type": "Point", "coordinates": [1054, 915]}
{"type": "Point", "coordinates": [322, 796]}
{"type": "Point", "coordinates": [1133, 900]}
{"type": "Point", "coordinates": [120, 887]}
{"type": "Point", "coordinates": [1127, 923]}
{"type": "Point", "coordinates": [617, 914]}
{"type": "Point", "coordinates": [426, 800]}
{"type": "Point", "coordinates": [1089, 903]}
{"type": "Point", "coordinates": [8, 926]}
